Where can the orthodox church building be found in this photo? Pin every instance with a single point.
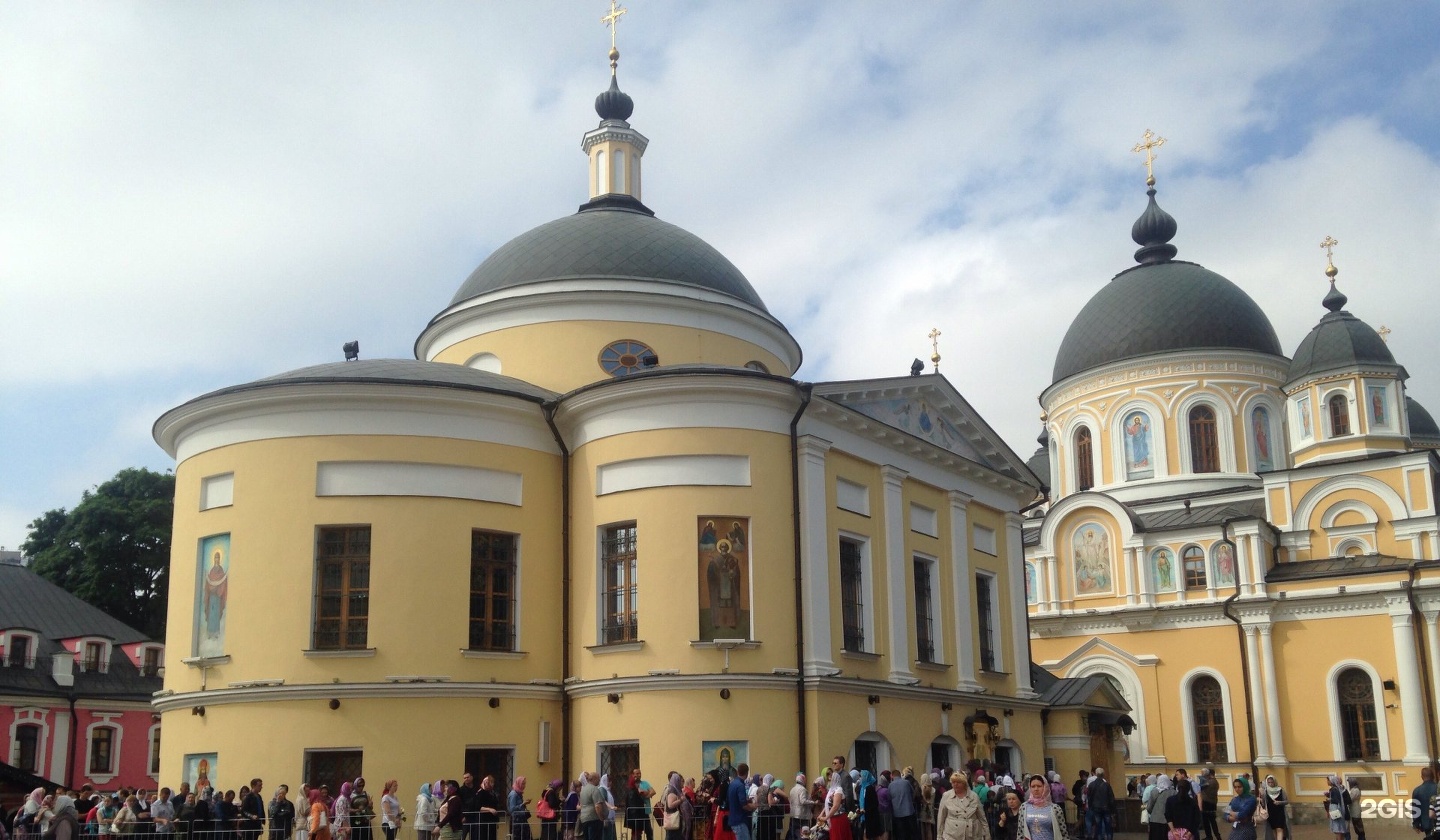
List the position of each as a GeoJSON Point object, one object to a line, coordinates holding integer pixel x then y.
{"type": "Point", "coordinates": [597, 523]}
{"type": "Point", "coordinates": [1240, 537]}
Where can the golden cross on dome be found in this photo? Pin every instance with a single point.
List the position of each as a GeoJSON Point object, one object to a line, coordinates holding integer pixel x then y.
{"type": "Point", "coordinates": [616, 12]}
{"type": "Point", "coordinates": [934, 337]}
{"type": "Point", "coordinates": [1329, 246]}
{"type": "Point", "coordinates": [1384, 333]}
{"type": "Point", "coordinates": [1149, 142]}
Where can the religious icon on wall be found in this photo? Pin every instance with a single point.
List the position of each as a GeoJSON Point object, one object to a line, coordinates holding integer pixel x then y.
{"type": "Point", "coordinates": [1260, 429]}
{"type": "Point", "coordinates": [1139, 462]}
{"type": "Point", "coordinates": [724, 756]}
{"type": "Point", "coordinates": [212, 595]}
{"type": "Point", "coordinates": [1224, 564]}
{"type": "Point", "coordinates": [1302, 407]}
{"type": "Point", "coordinates": [199, 770]}
{"type": "Point", "coordinates": [1378, 415]}
{"type": "Point", "coordinates": [1092, 560]}
{"type": "Point", "coordinates": [1162, 566]}
{"type": "Point", "coordinates": [724, 552]}
{"type": "Point", "coordinates": [1031, 586]}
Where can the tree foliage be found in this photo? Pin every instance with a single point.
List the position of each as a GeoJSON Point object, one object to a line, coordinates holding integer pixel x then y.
{"type": "Point", "coordinates": [113, 549]}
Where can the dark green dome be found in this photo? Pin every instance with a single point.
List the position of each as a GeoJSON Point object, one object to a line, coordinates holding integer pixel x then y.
{"type": "Point", "coordinates": [1039, 463]}
{"type": "Point", "coordinates": [613, 237]}
{"type": "Point", "coordinates": [1340, 342]}
{"type": "Point", "coordinates": [1161, 308]}
{"type": "Point", "coordinates": [1423, 429]}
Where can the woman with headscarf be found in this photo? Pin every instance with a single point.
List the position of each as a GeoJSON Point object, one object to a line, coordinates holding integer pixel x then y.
{"type": "Point", "coordinates": [1182, 811]}
{"type": "Point", "coordinates": [1057, 789]}
{"type": "Point", "coordinates": [319, 822]}
{"type": "Point", "coordinates": [1042, 818]}
{"type": "Point", "coordinates": [66, 823]}
{"type": "Point", "coordinates": [868, 797]}
{"type": "Point", "coordinates": [832, 815]}
{"type": "Point", "coordinates": [1240, 813]}
{"type": "Point", "coordinates": [27, 819]}
{"type": "Point", "coordinates": [609, 830]}
{"type": "Point", "coordinates": [1008, 817]}
{"type": "Point", "coordinates": [570, 809]}
{"type": "Point", "coordinates": [925, 807]}
{"type": "Point", "coordinates": [675, 808]}
{"type": "Point", "coordinates": [1337, 805]}
{"type": "Point", "coordinates": [362, 811]}
{"type": "Point", "coordinates": [340, 828]}
{"type": "Point", "coordinates": [887, 809]}
{"type": "Point", "coordinates": [451, 821]}
{"type": "Point", "coordinates": [961, 817]}
{"type": "Point", "coordinates": [427, 810]}
{"type": "Point", "coordinates": [1275, 800]}
{"type": "Point", "coordinates": [1356, 814]}
{"type": "Point", "coordinates": [548, 810]}
{"type": "Point", "coordinates": [517, 809]}
{"type": "Point", "coordinates": [1158, 796]}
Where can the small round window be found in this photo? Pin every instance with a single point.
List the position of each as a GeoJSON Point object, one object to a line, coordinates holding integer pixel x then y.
{"type": "Point", "coordinates": [622, 358]}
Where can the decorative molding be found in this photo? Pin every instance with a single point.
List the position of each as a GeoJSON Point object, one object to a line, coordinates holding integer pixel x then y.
{"type": "Point", "coordinates": [363, 653]}
{"type": "Point", "coordinates": [353, 691]}
{"type": "Point", "coordinates": [1129, 373]}
{"type": "Point", "coordinates": [408, 478]}
{"type": "Point", "coordinates": [740, 400]}
{"type": "Point", "coordinates": [673, 471]}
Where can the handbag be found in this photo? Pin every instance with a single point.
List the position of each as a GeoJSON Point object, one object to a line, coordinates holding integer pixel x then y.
{"type": "Point", "coordinates": [1262, 811]}
{"type": "Point", "coordinates": [1178, 834]}
{"type": "Point", "coordinates": [544, 811]}
{"type": "Point", "coordinates": [672, 819]}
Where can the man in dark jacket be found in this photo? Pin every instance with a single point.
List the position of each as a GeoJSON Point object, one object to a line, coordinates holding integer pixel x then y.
{"type": "Point", "coordinates": [1420, 818]}
{"type": "Point", "coordinates": [1077, 792]}
{"type": "Point", "coordinates": [1101, 806]}
{"type": "Point", "coordinates": [1209, 798]}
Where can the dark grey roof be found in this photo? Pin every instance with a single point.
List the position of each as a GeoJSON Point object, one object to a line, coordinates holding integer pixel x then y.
{"type": "Point", "coordinates": [28, 601]}
{"type": "Point", "coordinates": [1039, 463]}
{"type": "Point", "coordinates": [1202, 515]}
{"type": "Point", "coordinates": [1075, 691]}
{"type": "Point", "coordinates": [1339, 342]}
{"type": "Point", "coordinates": [1361, 564]}
{"type": "Point", "coordinates": [612, 237]}
{"type": "Point", "coordinates": [1423, 429]}
{"type": "Point", "coordinates": [1173, 305]}
{"type": "Point", "coordinates": [398, 372]}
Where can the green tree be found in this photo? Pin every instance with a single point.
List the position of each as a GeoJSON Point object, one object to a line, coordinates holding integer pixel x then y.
{"type": "Point", "coordinates": [113, 549]}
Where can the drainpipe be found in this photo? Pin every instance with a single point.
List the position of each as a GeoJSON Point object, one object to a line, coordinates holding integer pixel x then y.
{"type": "Point", "coordinates": [70, 753]}
{"type": "Point", "coordinates": [805, 393]}
{"type": "Point", "coordinates": [565, 734]}
{"type": "Point", "coordinates": [1244, 654]}
{"type": "Point", "coordinates": [1417, 629]}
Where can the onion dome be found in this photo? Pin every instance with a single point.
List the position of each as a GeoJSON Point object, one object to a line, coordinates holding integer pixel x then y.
{"type": "Point", "coordinates": [1424, 432]}
{"type": "Point", "coordinates": [1340, 342]}
{"type": "Point", "coordinates": [1160, 306]}
{"type": "Point", "coordinates": [1039, 463]}
{"type": "Point", "coordinates": [614, 104]}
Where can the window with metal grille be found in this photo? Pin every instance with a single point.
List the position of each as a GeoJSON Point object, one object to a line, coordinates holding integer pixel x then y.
{"type": "Point", "coordinates": [27, 739]}
{"type": "Point", "coordinates": [92, 657]}
{"type": "Point", "coordinates": [867, 756]}
{"type": "Point", "coordinates": [492, 591]}
{"type": "Point", "coordinates": [924, 612]}
{"type": "Point", "coordinates": [155, 751]}
{"type": "Point", "coordinates": [852, 599]}
{"type": "Point", "coordinates": [1207, 703]}
{"type": "Point", "coordinates": [491, 761]}
{"type": "Point", "coordinates": [1194, 563]}
{"type": "Point", "coordinates": [617, 561]}
{"type": "Point", "coordinates": [616, 761]}
{"type": "Point", "coordinates": [102, 750]}
{"type": "Point", "coordinates": [151, 668]}
{"type": "Point", "coordinates": [1084, 460]}
{"type": "Point", "coordinates": [1339, 415]}
{"type": "Point", "coordinates": [1204, 446]}
{"type": "Point", "coordinates": [1357, 715]}
{"type": "Point", "coordinates": [342, 590]}
{"type": "Point", "coordinates": [985, 611]}
{"type": "Point", "coordinates": [332, 767]}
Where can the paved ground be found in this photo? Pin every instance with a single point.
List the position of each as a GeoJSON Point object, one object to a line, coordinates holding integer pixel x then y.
{"type": "Point", "coordinates": [1374, 830]}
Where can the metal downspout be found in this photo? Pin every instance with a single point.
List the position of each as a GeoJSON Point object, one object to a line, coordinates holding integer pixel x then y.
{"type": "Point", "coordinates": [549, 410]}
{"type": "Point", "coordinates": [1244, 656]}
{"type": "Point", "coordinates": [805, 394]}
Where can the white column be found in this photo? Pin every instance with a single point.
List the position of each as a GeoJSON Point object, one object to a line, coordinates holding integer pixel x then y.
{"type": "Point", "coordinates": [1407, 677]}
{"type": "Point", "coordinates": [1432, 646]}
{"type": "Point", "coordinates": [1272, 696]}
{"type": "Point", "coordinates": [59, 745]}
{"type": "Point", "coordinates": [1243, 572]}
{"type": "Point", "coordinates": [1052, 579]}
{"type": "Point", "coordinates": [1134, 576]}
{"type": "Point", "coordinates": [1257, 562]}
{"type": "Point", "coordinates": [1257, 702]}
{"type": "Point", "coordinates": [961, 586]}
{"type": "Point", "coordinates": [1019, 626]}
{"type": "Point", "coordinates": [1142, 577]}
{"type": "Point", "coordinates": [815, 557]}
{"type": "Point", "coordinates": [896, 564]}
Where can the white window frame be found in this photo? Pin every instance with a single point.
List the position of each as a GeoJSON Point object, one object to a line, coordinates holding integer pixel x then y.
{"type": "Point", "coordinates": [106, 720]}
{"type": "Point", "coordinates": [1349, 409]}
{"type": "Point", "coordinates": [30, 716]}
{"type": "Point", "coordinates": [1159, 463]}
{"type": "Point", "coordinates": [145, 648]}
{"type": "Point", "coordinates": [600, 606]}
{"type": "Point", "coordinates": [106, 651]}
{"type": "Point", "coordinates": [1303, 407]}
{"type": "Point", "coordinates": [1377, 694]}
{"type": "Point", "coordinates": [1224, 434]}
{"type": "Point", "coordinates": [1072, 454]}
{"type": "Point", "coordinates": [34, 640]}
{"type": "Point", "coordinates": [867, 591]}
{"type": "Point", "coordinates": [1390, 406]}
{"type": "Point", "coordinates": [152, 760]}
{"type": "Point", "coordinates": [1279, 448]}
{"type": "Point", "coordinates": [991, 582]}
{"type": "Point", "coordinates": [1187, 711]}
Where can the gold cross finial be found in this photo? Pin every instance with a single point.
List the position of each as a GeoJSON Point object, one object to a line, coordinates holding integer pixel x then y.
{"type": "Point", "coordinates": [935, 348]}
{"type": "Point", "coordinates": [612, 20]}
{"type": "Point", "coordinates": [1149, 142]}
{"type": "Point", "coordinates": [1329, 246]}
{"type": "Point", "coordinates": [1384, 332]}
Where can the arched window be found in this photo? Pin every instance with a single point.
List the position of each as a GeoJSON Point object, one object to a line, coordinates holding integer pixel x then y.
{"type": "Point", "coordinates": [600, 173]}
{"type": "Point", "coordinates": [1339, 415]}
{"type": "Point", "coordinates": [617, 180]}
{"type": "Point", "coordinates": [1207, 703]}
{"type": "Point", "coordinates": [1084, 460]}
{"type": "Point", "coordinates": [1357, 715]}
{"type": "Point", "coordinates": [1194, 562]}
{"type": "Point", "coordinates": [1204, 447]}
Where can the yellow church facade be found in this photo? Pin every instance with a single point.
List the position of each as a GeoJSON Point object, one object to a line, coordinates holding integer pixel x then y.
{"type": "Point", "coordinates": [594, 524]}
{"type": "Point", "coordinates": [1242, 541]}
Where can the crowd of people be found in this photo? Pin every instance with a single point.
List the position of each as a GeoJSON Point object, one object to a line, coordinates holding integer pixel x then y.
{"type": "Point", "coordinates": [840, 804]}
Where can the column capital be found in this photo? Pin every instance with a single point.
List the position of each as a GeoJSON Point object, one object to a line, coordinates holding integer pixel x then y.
{"type": "Point", "coordinates": [1014, 520]}
{"type": "Point", "coordinates": [1264, 629]}
{"type": "Point", "coordinates": [811, 446]}
{"type": "Point", "coordinates": [958, 499]}
{"type": "Point", "coordinates": [893, 475]}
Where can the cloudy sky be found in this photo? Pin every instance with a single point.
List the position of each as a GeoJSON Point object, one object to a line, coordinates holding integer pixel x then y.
{"type": "Point", "coordinates": [194, 195]}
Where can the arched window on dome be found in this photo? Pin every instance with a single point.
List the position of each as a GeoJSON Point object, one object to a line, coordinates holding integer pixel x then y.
{"type": "Point", "coordinates": [1358, 729]}
{"type": "Point", "coordinates": [1339, 408]}
{"type": "Point", "coordinates": [617, 180]}
{"type": "Point", "coordinates": [1207, 703]}
{"type": "Point", "coordinates": [600, 172]}
{"type": "Point", "coordinates": [1084, 459]}
{"type": "Point", "coordinates": [1204, 446]}
{"type": "Point", "coordinates": [1193, 561]}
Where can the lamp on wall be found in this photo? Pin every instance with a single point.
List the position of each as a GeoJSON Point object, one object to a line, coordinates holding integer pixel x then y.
{"type": "Point", "coordinates": [198, 711]}
{"type": "Point", "coordinates": [494, 702]}
{"type": "Point", "coordinates": [334, 704]}
{"type": "Point", "coordinates": [612, 698]}
{"type": "Point", "coordinates": [873, 699]}
{"type": "Point", "coordinates": [1388, 685]}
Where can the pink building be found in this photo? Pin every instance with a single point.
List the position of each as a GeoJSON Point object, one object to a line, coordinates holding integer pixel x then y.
{"type": "Point", "coordinates": [75, 688]}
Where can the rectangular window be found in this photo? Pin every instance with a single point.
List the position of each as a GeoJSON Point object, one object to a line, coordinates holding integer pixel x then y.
{"type": "Point", "coordinates": [18, 654]}
{"type": "Point", "coordinates": [985, 611]}
{"type": "Point", "coordinates": [492, 591]}
{"type": "Point", "coordinates": [491, 761]}
{"type": "Point", "coordinates": [155, 752]}
{"type": "Point", "coordinates": [93, 657]}
{"type": "Point", "coordinates": [924, 611]}
{"type": "Point", "coordinates": [983, 539]}
{"type": "Point", "coordinates": [620, 614]}
{"type": "Point", "coordinates": [333, 767]}
{"type": "Point", "coordinates": [342, 588]}
{"type": "Point", "coordinates": [617, 760]}
{"type": "Point", "coordinates": [151, 668]}
{"type": "Point", "coordinates": [102, 745]}
{"type": "Point", "coordinates": [852, 594]}
{"type": "Point", "coordinates": [27, 737]}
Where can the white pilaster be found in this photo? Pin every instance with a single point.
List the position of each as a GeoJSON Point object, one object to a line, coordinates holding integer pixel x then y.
{"type": "Point", "coordinates": [1142, 576]}
{"type": "Point", "coordinates": [1407, 678]}
{"type": "Point", "coordinates": [1257, 561]}
{"type": "Point", "coordinates": [961, 586]}
{"type": "Point", "coordinates": [1243, 571]}
{"type": "Point", "coordinates": [1020, 626]}
{"type": "Point", "coordinates": [1272, 696]}
{"type": "Point", "coordinates": [1134, 576]}
{"type": "Point", "coordinates": [1257, 702]}
{"type": "Point", "coordinates": [815, 556]}
{"type": "Point", "coordinates": [1053, 573]}
{"type": "Point", "coordinates": [896, 564]}
{"type": "Point", "coordinates": [1432, 645]}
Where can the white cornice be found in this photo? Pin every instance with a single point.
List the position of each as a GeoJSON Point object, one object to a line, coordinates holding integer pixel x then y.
{"type": "Point", "coordinates": [677, 401]}
{"type": "Point", "coordinates": [1128, 373]}
{"type": "Point", "coordinates": [312, 409]}
{"type": "Point", "coordinates": [1367, 599]}
{"type": "Point", "coordinates": [640, 300]}
{"type": "Point", "coordinates": [354, 691]}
